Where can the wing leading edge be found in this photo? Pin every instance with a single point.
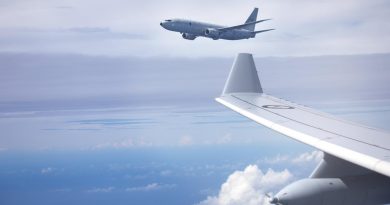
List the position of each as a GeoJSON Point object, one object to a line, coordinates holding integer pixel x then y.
{"type": "Point", "coordinates": [361, 145]}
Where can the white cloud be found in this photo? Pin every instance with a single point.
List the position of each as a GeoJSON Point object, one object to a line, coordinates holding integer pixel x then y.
{"type": "Point", "coordinates": [121, 144]}
{"type": "Point", "coordinates": [186, 140]}
{"type": "Point", "coordinates": [165, 172]}
{"type": "Point", "coordinates": [101, 190]}
{"type": "Point", "coordinates": [47, 170]}
{"type": "Point", "coordinates": [126, 143]}
{"type": "Point", "coordinates": [248, 187]}
{"type": "Point", "coordinates": [277, 159]}
{"type": "Point", "coordinates": [62, 190]}
{"type": "Point", "coordinates": [306, 157]}
{"type": "Point", "coordinates": [227, 138]}
{"type": "Point", "coordinates": [151, 187]}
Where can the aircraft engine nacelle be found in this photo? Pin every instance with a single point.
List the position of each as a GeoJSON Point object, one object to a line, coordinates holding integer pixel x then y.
{"type": "Point", "coordinates": [334, 191]}
{"type": "Point", "coordinates": [311, 191]}
{"type": "Point", "coordinates": [188, 36]}
{"type": "Point", "coordinates": [212, 33]}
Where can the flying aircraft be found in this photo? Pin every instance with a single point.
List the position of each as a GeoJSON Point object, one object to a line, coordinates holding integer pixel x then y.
{"type": "Point", "coordinates": [192, 29]}
{"type": "Point", "coordinates": [355, 169]}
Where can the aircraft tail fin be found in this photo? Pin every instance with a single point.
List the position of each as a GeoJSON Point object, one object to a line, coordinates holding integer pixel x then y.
{"type": "Point", "coordinates": [252, 18]}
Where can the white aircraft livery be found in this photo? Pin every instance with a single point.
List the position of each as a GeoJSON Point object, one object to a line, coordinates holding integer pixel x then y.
{"type": "Point", "coordinates": [192, 29]}
{"type": "Point", "coordinates": [355, 169]}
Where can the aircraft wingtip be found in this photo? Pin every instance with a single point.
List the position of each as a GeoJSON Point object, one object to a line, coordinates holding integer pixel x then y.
{"type": "Point", "coordinates": [243, 76]}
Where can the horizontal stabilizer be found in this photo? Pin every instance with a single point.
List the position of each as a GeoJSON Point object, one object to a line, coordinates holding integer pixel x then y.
{"type": "Point", "coordinates": [261, 31]}
{"type": "Point", "coordinates": [242, 25]}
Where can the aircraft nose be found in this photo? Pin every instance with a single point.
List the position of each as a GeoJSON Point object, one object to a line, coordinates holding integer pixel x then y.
{"type": "Point", "coordinates": [162, 24]}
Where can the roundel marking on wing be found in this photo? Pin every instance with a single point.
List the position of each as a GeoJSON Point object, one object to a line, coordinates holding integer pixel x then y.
{"type": "Point", "coordinates": [277, 107]}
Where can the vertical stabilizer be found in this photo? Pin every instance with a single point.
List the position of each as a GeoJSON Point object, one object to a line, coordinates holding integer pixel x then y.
{"type": "Point", "coordinates": [251, 18]}
{"type": "Point", "coordinates": [243, 76]}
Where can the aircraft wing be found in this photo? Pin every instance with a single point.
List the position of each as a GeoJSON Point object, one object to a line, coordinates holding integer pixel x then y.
{"type": "Point", "coordinates": [241, 26]}
{"type": "Point", "coordinates": [361, 145]}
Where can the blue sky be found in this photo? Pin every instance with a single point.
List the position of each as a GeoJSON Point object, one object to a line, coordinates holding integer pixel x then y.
{"type": "Point", "coordinates": [99, 104]}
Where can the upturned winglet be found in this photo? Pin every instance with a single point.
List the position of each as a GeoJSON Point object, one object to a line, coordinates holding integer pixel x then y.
{"type": "Point", "coordinates": [243, 76]}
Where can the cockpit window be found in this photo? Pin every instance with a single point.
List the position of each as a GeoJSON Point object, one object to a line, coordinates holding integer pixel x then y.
{"type": "Point", "coordinates": [169, 20]}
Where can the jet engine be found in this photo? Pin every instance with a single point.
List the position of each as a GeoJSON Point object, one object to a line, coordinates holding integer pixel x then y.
{"type": "Point", "coordinates": [212, 33]}
{"type": "Point", "coordinates": [365, 189]}
{"type": "Point", "coordinates": [188, 36]}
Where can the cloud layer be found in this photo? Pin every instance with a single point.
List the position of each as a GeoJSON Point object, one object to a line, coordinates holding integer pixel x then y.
{"type": "Point", "coordinates": [75, 101]}
{"type": "Point", "coordinates": [248, 187]}
{"type": "Point", "coordinates": [306, 157]}
{"type": "Point", "coordinates": [151, 187]}
{"type": "Point", "coordinates": [101, 190]}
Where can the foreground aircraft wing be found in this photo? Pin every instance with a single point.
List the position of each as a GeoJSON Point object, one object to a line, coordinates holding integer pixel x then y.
{"type": "Point", "coordinates": [361, 145]}
{"type": "Point", "coordinates": [241, 26]}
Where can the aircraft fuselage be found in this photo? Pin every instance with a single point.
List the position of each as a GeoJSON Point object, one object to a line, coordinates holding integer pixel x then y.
{"type": "Point", "coordinates": [191, 29]}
